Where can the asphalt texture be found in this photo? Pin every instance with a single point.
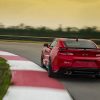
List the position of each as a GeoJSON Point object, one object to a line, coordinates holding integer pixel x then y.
{"type": "Point", "coordinates": [80, 88]}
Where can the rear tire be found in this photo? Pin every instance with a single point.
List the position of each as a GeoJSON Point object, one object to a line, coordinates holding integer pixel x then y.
{"type": "Point", "coordinates": [50, 72]}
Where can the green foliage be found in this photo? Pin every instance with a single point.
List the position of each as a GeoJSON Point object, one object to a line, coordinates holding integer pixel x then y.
{"type": "Point", "coordinates": [45, 34]}
{"type": "Point", "coordinates": [5, 77]}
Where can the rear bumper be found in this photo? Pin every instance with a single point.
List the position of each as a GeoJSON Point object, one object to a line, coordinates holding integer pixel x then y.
{"type": "Point", "coordinates": [76, 63]}
{"type": "Point", "coordinates": [80, 71]}
{"type": "Point", "coordinates": [79, 63]}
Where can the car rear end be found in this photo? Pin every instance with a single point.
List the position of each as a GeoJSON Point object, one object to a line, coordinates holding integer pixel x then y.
{"type": "Point", "coordinates": [79, 56]}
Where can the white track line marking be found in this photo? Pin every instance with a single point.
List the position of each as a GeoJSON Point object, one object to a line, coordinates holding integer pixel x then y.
{"type": "Point", "coordinates": [6, 53]}
{"type": "Point", "coordinates": [24, 65]}
{"type": "Point", "coordinates": [30, 93]}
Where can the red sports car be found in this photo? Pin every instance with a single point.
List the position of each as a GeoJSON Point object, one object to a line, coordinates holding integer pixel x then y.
{"type": "Point", "coordinates": [71, 56]}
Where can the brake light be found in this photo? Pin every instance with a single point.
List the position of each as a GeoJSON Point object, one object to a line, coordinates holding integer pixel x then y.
{"type": "Point", "coordinates": [97, 55]}
{"type": "Point", "coordinates": [69, 54]}
{"type": "Point", "coordinates": [64, 51]}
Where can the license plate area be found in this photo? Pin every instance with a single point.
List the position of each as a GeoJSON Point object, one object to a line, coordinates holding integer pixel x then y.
{"type": "Point", "coordinates": [85, 63]}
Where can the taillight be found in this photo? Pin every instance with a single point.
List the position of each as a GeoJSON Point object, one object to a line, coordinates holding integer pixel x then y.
{"type": "Point", "coordinates": [64, 51]}
{"type": "Point", "coordinates": [69, 53]}
{"type": "Point", "coordinates": [97, 55]}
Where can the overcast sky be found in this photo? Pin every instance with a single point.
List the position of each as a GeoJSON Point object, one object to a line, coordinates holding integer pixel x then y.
{"type": "Point", "coordinates": [50, 13]}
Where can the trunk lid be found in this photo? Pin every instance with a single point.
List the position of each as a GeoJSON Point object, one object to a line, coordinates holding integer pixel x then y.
{"type": "Point", "coordinates": [87, 58]}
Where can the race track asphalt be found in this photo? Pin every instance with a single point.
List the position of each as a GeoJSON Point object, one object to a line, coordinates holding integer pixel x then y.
{"type": "Point", "coordinates": [81, 88]}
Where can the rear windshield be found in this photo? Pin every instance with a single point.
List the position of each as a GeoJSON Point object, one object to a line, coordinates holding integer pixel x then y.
{"type": "Point", "coordinates": [82, 44]}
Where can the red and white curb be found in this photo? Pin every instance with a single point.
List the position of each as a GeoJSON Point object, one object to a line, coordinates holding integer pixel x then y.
{"type": "Point", "coordinates": [31, 82]}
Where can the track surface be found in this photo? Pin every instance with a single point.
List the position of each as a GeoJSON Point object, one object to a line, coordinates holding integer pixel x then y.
{"type": "Point", "coordinates": [79, 87]}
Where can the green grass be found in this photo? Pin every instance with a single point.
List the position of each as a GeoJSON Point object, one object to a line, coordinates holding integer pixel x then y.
{"type": "Point", "coordinates": [5, 77]}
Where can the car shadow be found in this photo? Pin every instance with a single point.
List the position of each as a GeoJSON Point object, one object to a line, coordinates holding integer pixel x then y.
{"type": "Point", "coordinates": [78, 78]}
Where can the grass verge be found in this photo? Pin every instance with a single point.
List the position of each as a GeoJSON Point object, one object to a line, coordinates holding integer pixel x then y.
{"type": "Point", "coordinates": [5, 77]}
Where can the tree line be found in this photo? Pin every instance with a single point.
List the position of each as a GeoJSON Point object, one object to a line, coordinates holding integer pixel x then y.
{"type": "Point", "coordinates": [70, 32]}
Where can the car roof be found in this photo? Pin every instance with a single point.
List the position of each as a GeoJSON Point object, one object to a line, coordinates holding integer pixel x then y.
{"type": "Point", "coordinates": [65, 39]}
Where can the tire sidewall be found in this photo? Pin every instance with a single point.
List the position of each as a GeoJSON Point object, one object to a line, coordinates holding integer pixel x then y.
{"type": "Point", "coordinates": [50, 72]}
